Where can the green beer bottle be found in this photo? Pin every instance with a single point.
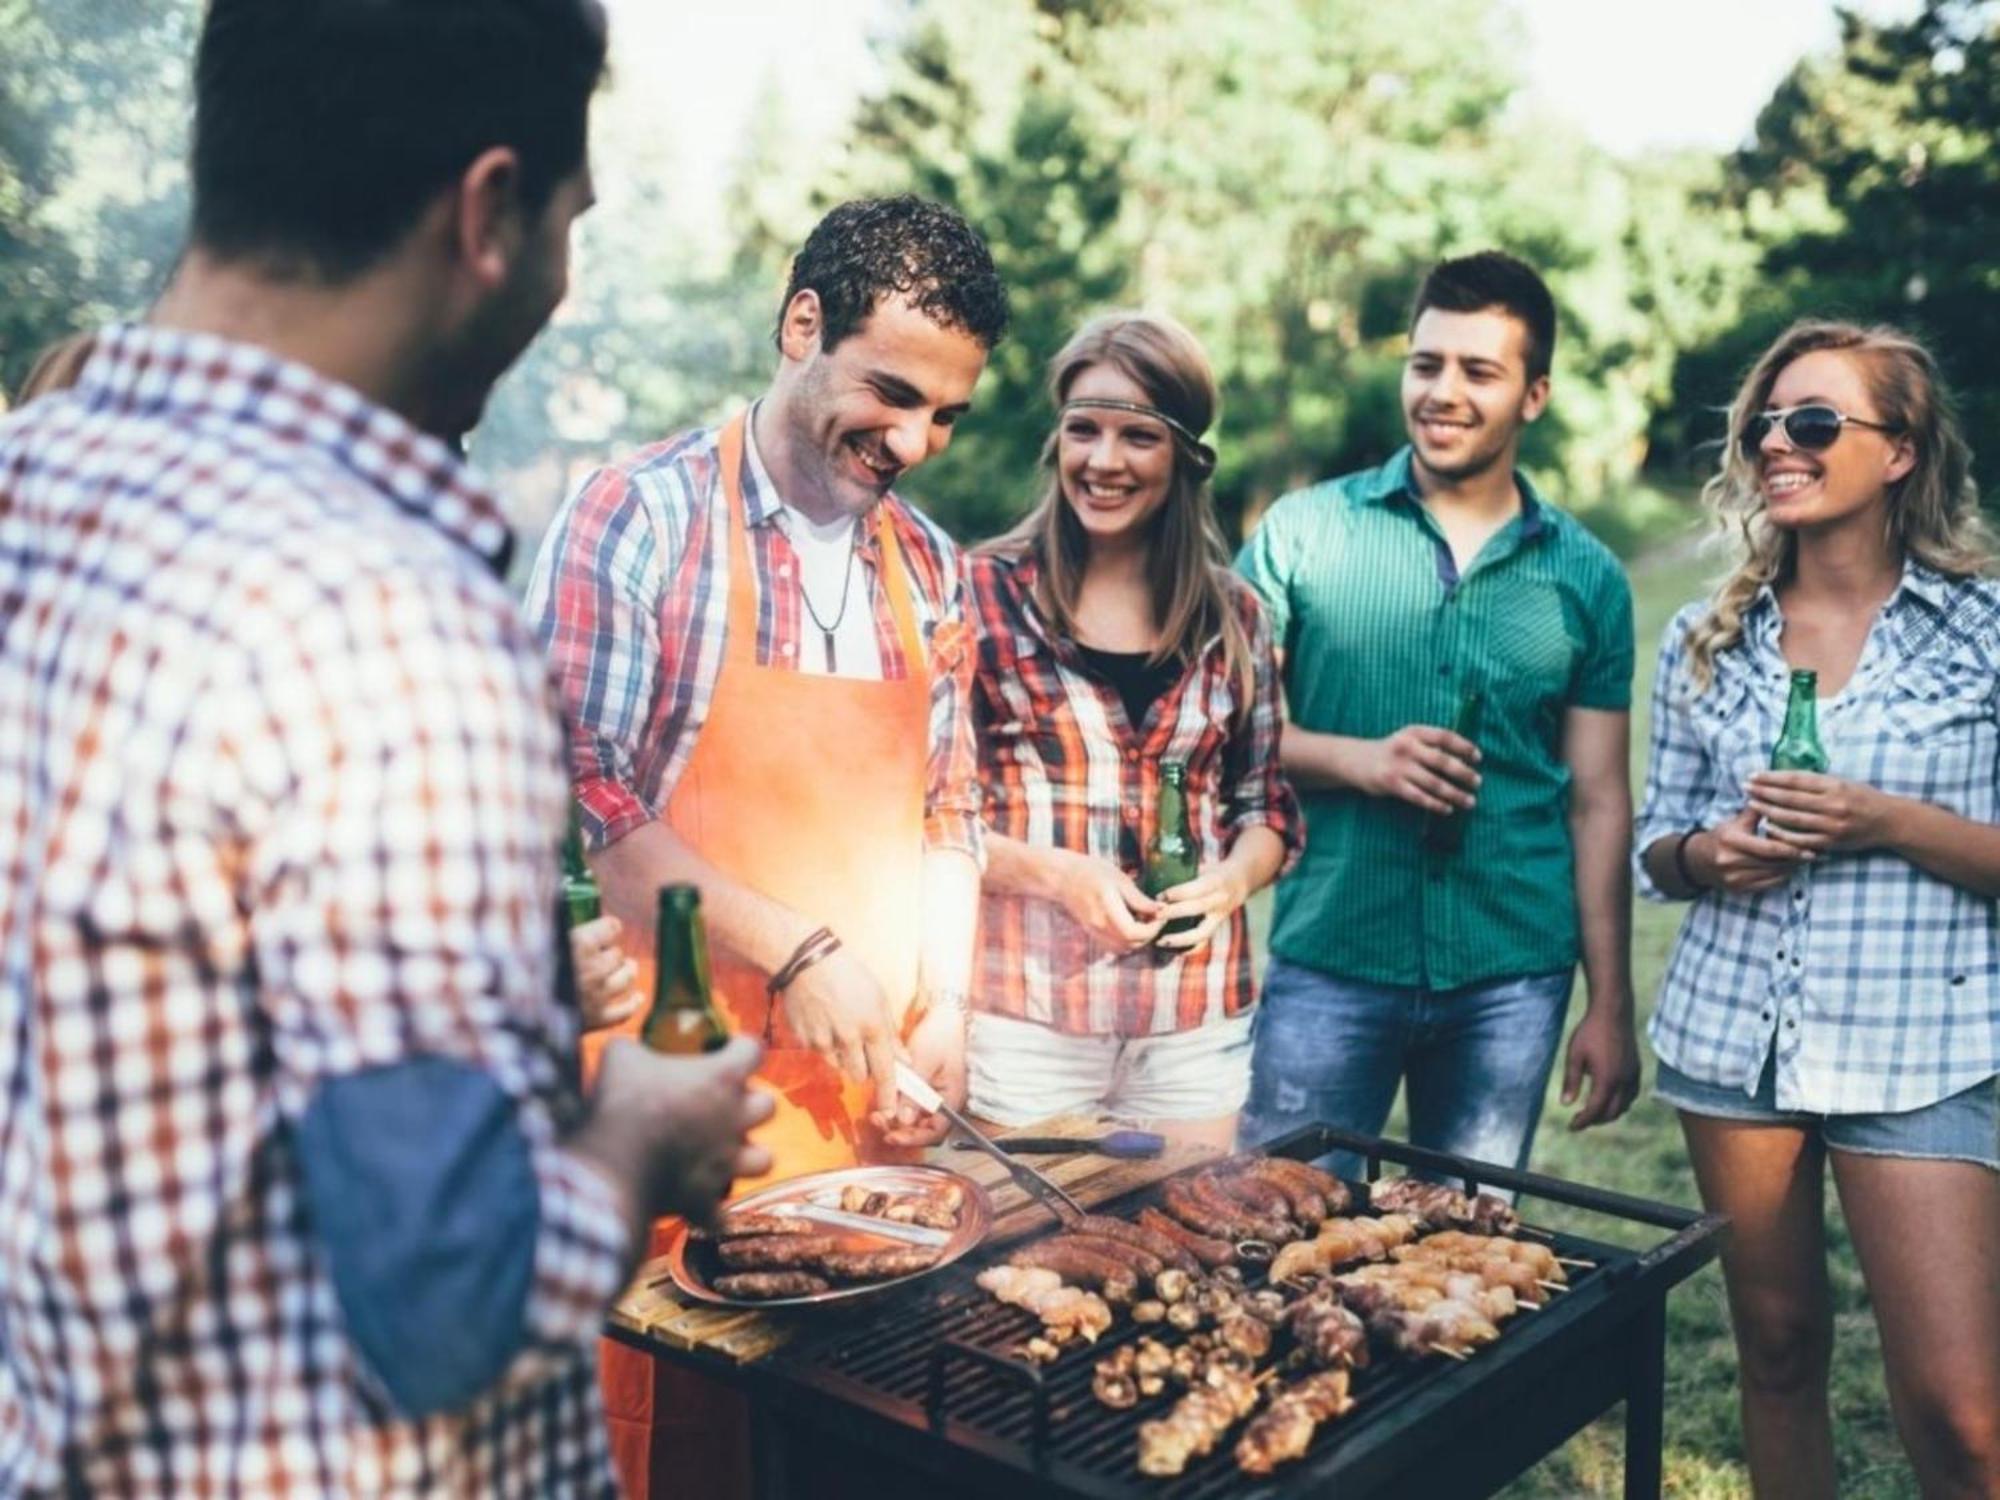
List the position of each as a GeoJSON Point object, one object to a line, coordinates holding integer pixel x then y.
{"type": "Point", "coordinates": [683, 1020]}
{"type": "Point", "coordinates": [581, 902]}
{"type": "Point", "coordinates": [1444, 833]}
{"type": "Point", "coordinates": [1798, 747]}
{"type": "Point", "coordinates": [1170, 857]}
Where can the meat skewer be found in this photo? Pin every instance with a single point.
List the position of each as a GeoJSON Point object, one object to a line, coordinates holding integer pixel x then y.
{"type": "Point", "coordinates": [1437, 1206]}
{"type": "Point", "coordinates": [1341, 1241]}
{"type": "Point", "coordinates": [1538, 1257]}
{"type": "Point", "coordinates": [1066, 1312]}
{"type": "Point", "coordinates": [1198, 1421]}
{"type": "Point", "coordinates": [1284, 1429]}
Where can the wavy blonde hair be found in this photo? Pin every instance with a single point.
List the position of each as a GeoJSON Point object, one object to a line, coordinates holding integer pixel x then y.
{"type": "Point", "coordinates": [1187, 561]}
{"type": "Point", "coordinates": [1933, 510]}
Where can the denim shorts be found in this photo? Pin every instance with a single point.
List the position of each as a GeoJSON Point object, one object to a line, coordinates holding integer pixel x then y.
{"type": "Point", "coordinates": [1962, 1127]}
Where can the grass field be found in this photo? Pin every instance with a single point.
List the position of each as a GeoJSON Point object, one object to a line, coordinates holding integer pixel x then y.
{"type": "Point", "coordinates": [1642, 1154]}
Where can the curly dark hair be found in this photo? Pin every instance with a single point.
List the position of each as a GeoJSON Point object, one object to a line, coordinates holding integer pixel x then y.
{"type": "Point", "coordinates": [905, 246]}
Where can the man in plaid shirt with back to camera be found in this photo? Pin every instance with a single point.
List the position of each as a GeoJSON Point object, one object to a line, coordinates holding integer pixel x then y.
{"type": "Point", "coordinates": [297, 1192]}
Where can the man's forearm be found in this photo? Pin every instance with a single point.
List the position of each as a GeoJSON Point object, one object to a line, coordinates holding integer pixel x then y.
{"type": "Point", "coordinates": [742, 922]}
{"type": "Point", "coordinates": [951, 917]}
{"type": "Point", "coordinates": [1319, 762]}
{"type": "Point", "coordinates": [1600, 829]}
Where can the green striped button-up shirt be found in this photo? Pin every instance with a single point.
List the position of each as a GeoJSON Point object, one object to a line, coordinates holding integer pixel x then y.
{"type": "Point", "coordinates": [1380, 630]}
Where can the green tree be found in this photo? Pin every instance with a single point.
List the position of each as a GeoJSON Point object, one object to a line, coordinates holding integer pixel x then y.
{"type": "Point", "coordinates": [1872, 190]}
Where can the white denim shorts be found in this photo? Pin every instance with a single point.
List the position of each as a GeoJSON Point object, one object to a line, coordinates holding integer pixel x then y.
{"type": "Point", "coordinates": [1021, 1072]}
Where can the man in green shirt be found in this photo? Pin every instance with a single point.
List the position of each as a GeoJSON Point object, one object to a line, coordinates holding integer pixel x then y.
{"type": "Point", "coordinates": [1395, 593]}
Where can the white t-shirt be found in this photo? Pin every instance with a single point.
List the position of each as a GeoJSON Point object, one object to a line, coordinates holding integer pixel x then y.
{"type": "Point", "coordinates": [826, 553]}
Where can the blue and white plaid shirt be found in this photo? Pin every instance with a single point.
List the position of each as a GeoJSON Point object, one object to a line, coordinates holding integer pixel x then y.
{"type": "Point", "coordinates": [1875, 984]}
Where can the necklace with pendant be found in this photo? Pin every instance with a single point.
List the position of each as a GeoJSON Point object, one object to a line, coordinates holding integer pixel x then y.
{"type": "Point", "coordinates": [826, 629]}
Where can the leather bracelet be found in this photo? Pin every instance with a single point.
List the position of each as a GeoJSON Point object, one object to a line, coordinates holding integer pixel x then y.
{"type": "Point", "coordinates": [1681, 861]}
{"type": "Point", "coordinates": [820, 944]}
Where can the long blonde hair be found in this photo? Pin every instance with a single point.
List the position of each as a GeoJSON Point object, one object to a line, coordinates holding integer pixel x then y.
{"type": "Point", "coordinates": [1187, 567]}
{"type": "Point", "coordinates": [1933, 510]}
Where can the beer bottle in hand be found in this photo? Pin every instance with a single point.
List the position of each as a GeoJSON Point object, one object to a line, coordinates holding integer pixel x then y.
{"type": "Point", "coordinates": [579, 887]}
{"type": "Point", "coordinates": [1444, 833]}
{"type": "Point", "coordinates": [1798, 747]}
{"type": "Point", "coordinates": [1170, 857]}
{"type": "Point", "coordinates": [683, 1020]}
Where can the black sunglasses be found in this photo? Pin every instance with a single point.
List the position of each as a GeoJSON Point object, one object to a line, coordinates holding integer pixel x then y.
{"type": "Point", "coordinates": [1811, 429]}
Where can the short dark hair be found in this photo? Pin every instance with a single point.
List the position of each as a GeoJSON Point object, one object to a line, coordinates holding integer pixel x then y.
{"type": "Point", "coordinates": [323, 128]}
{"type": "Point", "coordinates": [1493, 278]}
{"type": "Point", "coordinates": [906, 246]}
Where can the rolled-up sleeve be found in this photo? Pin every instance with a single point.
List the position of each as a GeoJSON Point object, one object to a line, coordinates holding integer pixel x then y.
{"type": "Point", "coordinates": [1680, 779]}
{"type": "Point", "coordinates": [1257, 793]}
{"type": "Point", "coordinates": [409, 798]}
{"type": "Point", "coordinates": [594, 600]}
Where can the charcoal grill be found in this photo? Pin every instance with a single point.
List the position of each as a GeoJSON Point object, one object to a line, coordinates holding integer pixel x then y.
{"type": "Point", "coordinates": [916, 1395]}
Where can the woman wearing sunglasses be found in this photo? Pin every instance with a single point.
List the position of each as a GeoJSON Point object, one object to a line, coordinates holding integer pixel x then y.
{"type": "Point", "coordinates": [1113, 640]}
{"type": "Point", "coordinates": [1834, 994]}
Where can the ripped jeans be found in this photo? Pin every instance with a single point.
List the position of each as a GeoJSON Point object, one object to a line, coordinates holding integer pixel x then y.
{"type": "Point", "coordinates": [1476, 1060]}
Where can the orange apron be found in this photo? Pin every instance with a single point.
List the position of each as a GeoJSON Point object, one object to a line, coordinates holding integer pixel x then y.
{"type": "Point", "coordinates": [809, 790]}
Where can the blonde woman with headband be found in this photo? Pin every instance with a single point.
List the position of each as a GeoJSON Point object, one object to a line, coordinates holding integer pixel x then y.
{"type": "Point", "coordinates": [1113, 642]}
{"type": "Point", "coordinates": [1834, 994]}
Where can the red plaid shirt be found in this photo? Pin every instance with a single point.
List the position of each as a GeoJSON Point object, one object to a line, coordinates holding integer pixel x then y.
{"type": "Point", "coordinates": [1061, 767]}
{"type": "Point", "coordinates": [280, 791]}
{"type": "Point", "coordinates": [631, 595]}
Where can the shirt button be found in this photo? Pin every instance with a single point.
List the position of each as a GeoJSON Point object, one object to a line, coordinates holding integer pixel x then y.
{"type": "Point", "coordinates": [1130, 753]}
{"type": "Point", "coordinates": [1798, 895]}
{"type": "Point", "coordinates": [1781, 953]}
{"type": "Point", "coordinates": [1767, 1015]}
{"type": "Point", "coordinates": [1444, 669]}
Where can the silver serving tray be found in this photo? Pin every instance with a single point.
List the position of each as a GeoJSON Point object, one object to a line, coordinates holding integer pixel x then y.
{"type": "Point", "coordinates": [693, 1264]}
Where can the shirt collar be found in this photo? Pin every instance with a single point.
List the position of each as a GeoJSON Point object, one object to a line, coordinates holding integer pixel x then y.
{"type": "Point", "coordinates": [1918, 582]}
{"type": "Point", "coordinates": [1397, 479]}
{"type": "Point", "coordinates": [142, 370]}
{"type": "Point", "coordinates": [763, 505]}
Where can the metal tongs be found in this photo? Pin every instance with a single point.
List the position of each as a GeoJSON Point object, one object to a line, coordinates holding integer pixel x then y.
{"type": "Point", "coordinates": [1066, 1209]}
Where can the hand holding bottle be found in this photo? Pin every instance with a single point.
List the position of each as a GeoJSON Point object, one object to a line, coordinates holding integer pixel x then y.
{"type": "Point", "coordinates": [1105, 901]}
{"type": "Point", "coordinates": [607, 982]}
{"type": "Point", "coordinates": [1820, 814]}
{"type": "Point", "coordinates": [672, 1132]}
{"type": "Point", "coordinates": [1733, 856]}
{"type": "Point", "coordinates": [1208, 900]}
{"type": "Point", "coordinates": [1432, 769]}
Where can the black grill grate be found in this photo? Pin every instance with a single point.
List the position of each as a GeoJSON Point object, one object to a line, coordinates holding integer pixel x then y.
{"type": "Point", "coordinates": [891, 1364]}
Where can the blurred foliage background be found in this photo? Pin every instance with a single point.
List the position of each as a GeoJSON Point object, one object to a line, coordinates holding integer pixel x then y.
{"type": "Point", "coordinates": [1277, 173]}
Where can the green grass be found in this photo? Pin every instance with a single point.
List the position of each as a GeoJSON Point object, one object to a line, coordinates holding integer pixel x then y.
{"type": "Point", "coordinates": [1642, 1154]}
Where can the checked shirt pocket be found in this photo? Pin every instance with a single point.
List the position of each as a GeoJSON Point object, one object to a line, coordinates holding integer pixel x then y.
{"type": "Point", "coordinates": [1932, 709]}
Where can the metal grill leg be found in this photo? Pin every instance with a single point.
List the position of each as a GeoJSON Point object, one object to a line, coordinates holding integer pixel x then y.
{"type": "Point", "coordinates": [1645, 1402]}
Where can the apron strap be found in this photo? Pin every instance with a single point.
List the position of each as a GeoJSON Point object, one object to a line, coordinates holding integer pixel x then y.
{"type": "Point", "coordinates": [741, 640]}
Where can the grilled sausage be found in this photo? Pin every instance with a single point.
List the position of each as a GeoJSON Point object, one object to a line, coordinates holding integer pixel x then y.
{"type": "Point", "coordinates": [764, 1285]}
{"type": "Point", "coordinates": [777, 1252]}
{"type": "Point", "coordinates": [878, 1265]}
{"type": "Point", "coordinates": [1249, 1226]}
{"type": "Point", "coordinates": [1080, 1266]}
{"type": "Point", "coordinates": [1247, 1187]}
{"type": "Point", "coordinates": [1142, 1262]}
{"type": "Point", "coordinates": [741, 1226]}
{"type": "Point", "coordinates": [1210, 1252]}
{"type": "Point", "coordinates": [1338, 1196]}
{"type": "Point", "coordinates": [1303, 1202]}
{"type": "Point", "coordinates": [1150, 1240]}
{"type": "Point", "coordinates": [1194, 1209]}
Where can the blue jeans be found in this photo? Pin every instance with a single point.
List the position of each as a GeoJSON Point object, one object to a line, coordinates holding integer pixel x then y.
{"type": "Point", "coordinates": [1476, 1060]}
